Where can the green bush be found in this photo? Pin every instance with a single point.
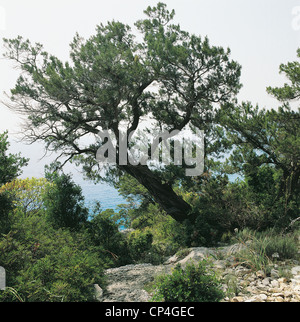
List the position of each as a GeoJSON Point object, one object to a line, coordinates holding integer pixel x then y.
{"type": "Point", "coordinates": [139, 244]}
{"type": "Point", "coordinates": [192, 284]}
{"type": "Point", "coordinates": [10, 169]}
{"type": "Point", "coordinates": [44, 264]}
{"type": "Point", "coordinates": [221, 206]}
{"type": "Point", "coordinates": [103, 230]}
{"type": "Point", "coordinates": [6, 206]}
{"type": "Point", "coordinates": [64, 202]}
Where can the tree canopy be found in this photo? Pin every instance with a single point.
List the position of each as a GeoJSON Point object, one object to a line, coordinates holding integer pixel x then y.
{"type": "Point", "coordinates": [117, 78]}
{"type": "Point", "coordinates": [10, 164]}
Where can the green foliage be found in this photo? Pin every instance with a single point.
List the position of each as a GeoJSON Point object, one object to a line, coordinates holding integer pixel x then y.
{"type": "Point", "coordinates": [103, 231]}
{"type": "Point", "coordinates": [167, 234]}
{"type": "Point", "coordinates": [27, 194]}
{"type": "Point", "coordinates": [116, 78]}
{"type": "Point", "coordinates": [222, 206]}
{"type": "Point", "coordinates": [284, 246]}
{"type": "Point", "coordinates": [10, 168]}
{"type": "Point", "coordinates": [139, 244]}
{"type": "Point", "coordinates": [6, 207]}
{"type": "Point", "coordinates": [289, 91]}
{"type": "Point", "coordinates": [43, 260]}
{"type": "Point", "coordinates": [195, 283]}
{"type": "Point", "coordinates": [44, 264]}
{"type": "Point", "coordinates": [10, 164]}
{"type": "Point", "coordinates": [134, 192]}
{"type": "Point", "coordinates": [264, 248]}
{"type": "Point", "coordinates": [64, 202]}
{"type": "Point", "coordinates": [265, 148]}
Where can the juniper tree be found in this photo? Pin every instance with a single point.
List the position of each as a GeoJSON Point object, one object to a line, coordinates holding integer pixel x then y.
{"type": "Point", "coordinates": [119, 78]}
{"type": "Point", "coordinates": [270, 139]}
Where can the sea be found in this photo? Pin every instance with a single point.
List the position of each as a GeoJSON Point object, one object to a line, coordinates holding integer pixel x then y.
{"type": "Point", "coordinates": [105, 194]}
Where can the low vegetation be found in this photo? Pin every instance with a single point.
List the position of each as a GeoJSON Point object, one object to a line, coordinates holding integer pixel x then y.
{"type": "Point", "coordinates": [55, 249]}
{"type": "Point", "coordinates": [195, 283]}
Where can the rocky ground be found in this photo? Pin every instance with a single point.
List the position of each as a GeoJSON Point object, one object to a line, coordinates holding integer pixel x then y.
{"type": "Point", "coordinates": [128, 283]}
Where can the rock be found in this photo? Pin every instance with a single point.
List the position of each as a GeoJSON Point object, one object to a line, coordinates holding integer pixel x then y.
{"type": "Point", "coordinates": [220, 264]}
{"type": "Point", "coordinates": [171, 260]}
{"type": "Point", "coordinates": [244, 283]}
{"type": "Point", "coordinates": [274, 290]}
{"type": "Point", "coordinates": [241, 271]}
{"type": "Point", "coordinates": [274, 273]}
{"type": "Point", "coordinates": [274, 283]}
{"type": "Point", "coordinates": [297, 288]}
{"type": "Point", "coordinates": [260, 286]}
{"type": "Point", "coordinates": [261, 297]}
{"type": "Point", "coordinates": [237, 299]}
{"type": "Point", "coordinates": [279, 299]}
{"type": "Point", "coordinates": [127, 283]}
{"type": "Point", "coordinates": [197, 254]}
{"type": "Point", "coordinates": [288, 294]}
{"type": "Point", "coordinates": [266, 281]}
{"type": "Point", "coordinates": [260, 274]}
{"type": "Point", "coordinates": [296, 278]}
{"type": "Point", "coordinates": [282, 280]}
{"type": "Point", "coordinates": [252, 290]}
{"type": "Point", "coordinates": [251, 300]}
{"type": "Point", "coordinates": [98, 293]}
{"type": "Point", "coordinates": [295, 270]}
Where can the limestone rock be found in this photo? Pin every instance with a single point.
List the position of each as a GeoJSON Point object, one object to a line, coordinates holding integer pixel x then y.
{"type": "Point", "coordinates": [127, 283]}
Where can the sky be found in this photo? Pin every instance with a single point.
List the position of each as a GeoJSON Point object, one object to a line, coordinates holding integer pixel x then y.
{"type": "Point", "coordinates": [261, 34]}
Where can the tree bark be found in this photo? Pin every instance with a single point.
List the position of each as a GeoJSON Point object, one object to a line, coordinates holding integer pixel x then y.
{"type": "Point", "coordinates": [162, 193]}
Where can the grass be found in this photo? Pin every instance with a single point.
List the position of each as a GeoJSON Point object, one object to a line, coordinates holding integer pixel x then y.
{"type": "Point", "coordinates": [267, 248]}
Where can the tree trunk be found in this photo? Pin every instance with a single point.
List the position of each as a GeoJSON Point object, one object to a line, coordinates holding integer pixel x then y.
{"type": "Point", "coordinates": [162, 193]}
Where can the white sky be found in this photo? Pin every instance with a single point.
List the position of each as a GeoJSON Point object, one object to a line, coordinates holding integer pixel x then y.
{"type": "Point", "coordinates": [261, 34]}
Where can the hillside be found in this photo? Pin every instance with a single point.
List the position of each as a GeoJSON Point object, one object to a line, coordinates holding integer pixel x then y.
{"type": "Point", "coordinates": [129, 283]}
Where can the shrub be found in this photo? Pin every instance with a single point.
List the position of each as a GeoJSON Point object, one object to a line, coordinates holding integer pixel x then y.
{"type": "Point", "coordinates": [65, 202]}
{"type": "Point", "coordinates": [27, 194]}
{"type": "Point", "coordinates": [6, 206]}
{"type": "Point", "coordinates": [192, 284]}
{"type": "Point", "coordinates": [103, 230]}
{"type": "Point", "coordinates": [167, 234]}
{"type": "Point", "coordinates": [139, 243]}
{"type": "Point", "coordinates": [44, 264]}
{"type": "Point", "coordinates": [221, 206]}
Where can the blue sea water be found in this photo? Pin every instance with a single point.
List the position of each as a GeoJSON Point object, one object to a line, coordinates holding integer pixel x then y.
{"type": "Point", "coordinates": [107, 195]}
